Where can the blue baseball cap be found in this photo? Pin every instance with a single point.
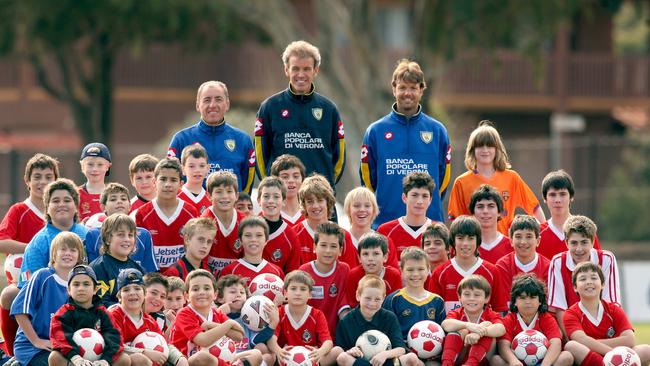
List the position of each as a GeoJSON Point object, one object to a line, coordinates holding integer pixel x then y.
{"type": "Point", "coordinates": [129, 276]}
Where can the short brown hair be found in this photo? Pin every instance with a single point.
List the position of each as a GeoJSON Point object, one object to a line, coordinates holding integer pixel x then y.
{"type": "Point", "coordinates": [409, 71]}
{"type": "Point", "coordinates": [371, 281]}
{"type": "Point", "coordinates": [41, 161]}
{"type": "Point", "coordinates": [61, 184]}
{"type": "Point", "coordinates": [488, 193]}
{"type": "Point", "coordinates": [316, 185]}
{"type": "Point", "coordinates": [486, 135]}
{"type": "Point", "coordinates": [227, 281]}
{"type": "Point", "coordinates": [142, 162]}
{"type": "Point", "coordinates": [111, 225]}
{"type": "Point", "coordinates": [70, 240]}
{"type": "Point", "coordinates": [272, 181]}
{"type": "Point", "coordinates": [199, 273]}
{"type": "Point", "coordinates": [465, 225]}
{"type": "Point", "coordinates": [301, 49]}
{"type": "Point", "coordinates": [169, 163]}
{"type": "Point", "coordinates": [175, 283]}
{"type": "Point", "coordinates": [329, 228]}
{"type": "Point", "coordinates": [524, 222]}
{"type": "Point", "coordinates": [113, 188]}
{"type": "Point", "coordinates": [587, 267]}
{"type": "Point", "coordinates": [195, 150]}
{"type": "Point", "coordinates": [194, 224]}
{"type": "Point", "coordinates": [221, 178]}
{"type": "Point", "coordinates": [286, 162]}
{"type": "Point", "coordinates": [153, 278]}
{"type": "Point", "coordinates": [418, 180]}
{"type": "Point", "coordinates": [580, 225]}
{"type": "Point", "coordinates": [299, 276]}
{"type": "Point", "coordinates": [413, 254]}
{"type": "Point", "coordinates": [253, 221]}
{"type": "Point", "coordinates": [474, 282]}
{"type": "Point", "coordinates": [437, 230]}
{"type": "Point", "coordinates": [558, 179]}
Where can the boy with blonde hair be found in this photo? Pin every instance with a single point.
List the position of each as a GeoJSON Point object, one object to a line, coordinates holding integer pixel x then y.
{"type": "Point", "coordinates": [198, 235]}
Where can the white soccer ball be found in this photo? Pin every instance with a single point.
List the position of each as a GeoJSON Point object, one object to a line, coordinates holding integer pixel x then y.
{"type": "Point", "coordinates": [12, 267]}
{"type": "Point", "coordinates": [425, 339]}
{"type": "Point", "coordinates": [269, 285]}
{"type": "Point", "coordinates": [151, 341]}
{"type": "Point", "coordinates": [299, 356]}
{"type": "Point", "coordinates": [371, 342]}
{"type": "Point", "coordinates": [223, 349]}
{"type": "Point", "coordinates": [530, 346]}
{"type": "Point", "coordinates": [253, 314]}
{"type": "Point", "coordinates": [90, 343]}
{"type": "Point", "coordinates": [622, 356]}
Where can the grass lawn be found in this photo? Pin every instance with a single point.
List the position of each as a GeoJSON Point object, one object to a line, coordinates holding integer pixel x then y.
{"type": "Point", "coordinates": [642, 332]}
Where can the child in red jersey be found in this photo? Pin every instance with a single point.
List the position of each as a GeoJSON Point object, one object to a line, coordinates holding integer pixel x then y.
{"type": "Point", "coordinates": [200, 324]}
{"type": "Point", "coordinates": [282, 248]}
{"type": "Point", "coordinates": [594, 325]}
{"type": "Point", "coordinates": [317, 201]}
{"type": "Point", "coordinates": [291, 172]}
{"type": "Point", "coordinates": [465, 234]}
{"type": "Point", "coordinates": [524, 233]}
{"type": "Point", "coordinates": [486, 205]}
{"type": "Point", "coordinates": [155, 296]}
{"type": "Point", "coordinates": [301, 324]}
{"type": "Point", "coordinates": [435, 242]}
{"type": "Point", "coordinates": [474, 324]}
{"type": "Point", "coordinates": [166, 214]}
{"type": "Point", "coordinates": [557, 191]}
{"type": "Point", "coordinates": [130, 319]}
{"type": "Point", "coordinates": [194, 160]}
{"type": "Point", "coordinates": [222, 188]}
{"type": "Point", "coordinates": [95, 164]}
{"type": "Point", "coordinates": [141, 175]}
{"type": "Point", "coordinates": [528, 310]}
{"type": "Point", "coordinates": [198, 235]}
{"type": "Point", "coordinates": [175, 298]}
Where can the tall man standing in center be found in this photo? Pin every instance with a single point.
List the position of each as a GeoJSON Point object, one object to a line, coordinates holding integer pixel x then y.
{"type": "Point", "coordinates": [299, 121]}
{"type": "Point", "coordinates": [404, 141]}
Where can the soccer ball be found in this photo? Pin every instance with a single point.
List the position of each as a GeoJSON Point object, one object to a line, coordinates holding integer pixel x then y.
{"type": "Point", "coordinates": [425, 339]}
{"type": "Point", "coordinates": [621, 356]}
{"type": "Point", "coordinates": [371, 342]}
{"type": "Point", "coordinates": [151, 341]}
{"type": "Point", "coordinates": [269, 285]}
{"type": "Point", "coordinates": [90, 343]}
{"type": "Point", "coordinates": [12, 267]}
{"type": "Point", "coordinates": [223, 349]}
{"type": "Point", "coordinates": [253, 314]}
{"type": "Point", "coordinates": [299, 356]}
{"type": "Point", "coordinates": [530, 346]}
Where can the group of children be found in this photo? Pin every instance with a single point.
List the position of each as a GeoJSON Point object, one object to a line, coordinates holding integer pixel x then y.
{"type": "Point", "coordinates": [177, 259]}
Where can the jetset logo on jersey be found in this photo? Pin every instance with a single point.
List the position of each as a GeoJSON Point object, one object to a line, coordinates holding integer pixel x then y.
{"type": "Point", "coordinates": [426, 136]}
{"type": "Point", "coordinates": [284, 113]}
{"type": "Point", "coordinates": [317, 113]}
{"type": "Point", "coordinates": [230, 144]}
{"type": "Point", "coordinates": [302, 140]}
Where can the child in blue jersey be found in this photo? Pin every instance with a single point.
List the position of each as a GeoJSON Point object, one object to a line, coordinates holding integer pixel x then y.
{"type": "Point", "coordinates": [41, 297]}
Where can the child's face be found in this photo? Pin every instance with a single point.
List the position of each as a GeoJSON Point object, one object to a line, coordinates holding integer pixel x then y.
{"type": "Point", "coordinates": [370, 300]}
{"type": "Point", "coordinates": [122, 243]}
{"type": "Point", "coordinates": [37, 181]}
{"type": "Point", "coordinates": [465, 246]}
{"type": "Point", "coordinates": [175, 300]}
{"type": "Point", "coordinates": [579, 247]}
{"type": "Point", "coordinates": [201, 293]}
{"type": "Point", "coordinates": [94, 168]}
{"type": "Point", "coordinates": [117, 203]}
{"type": "Point", "coordinates": [417, 201]}
{"type": "Point", "coordinates": [244, 206]}
{"type": "Point", "coordinates": [223, 198]}
{"type": "Point", "coordinates": [66, 257]}
{"type": "Point", "coordinates": [485, 155]}
{"type": "Point", "coordinates": [271, 201]}
{"type": "Point", "coordinates": [297, 294]}
{"type": "Point", "coordinates": [198, 246]}
{"type": "Point", "coordinates": [195, 170]}
{"type": "Point", "coordinates": [527, 305]}
{"type": "Point", "coordinates": [235, 296]}
{"type": "Point", "coordinates": [61, 207]}
{"type": "Point", "coordinates": [82, 289]}
{"type": "Point", "coordinates": [588, 284]}
{"type": "Point", "coordinates": [525, 243]}
{"type": "Point", "coordinates": [558, 200]}
{"type": "Point", "coordinates": [361, 212]}
{"type": "Point", "coordinates": [316, 208]}
{"type": "Point", "coordinates": [253, 240]}
{"type": "Point", "coordinates": [144, 183]}
{"type": "Point", "coordinates": [154, 298]}
{"type": "Point", "coordinates": [327, 249]}
{"type": "Point", "coordinates": [292, 181]}
{"type": "Point", "coordinates": [168, 182]}
{"type": "Point", "coordinates": [415, 272]}
{"type": "Point", "coordinates": [473, 300]}
{"type": "Point", "coordinates": [434, 246]}
{"type": "Point", "coordinates": [132, 297]}
{"type": "Point", "coordinates": [487, 213]}
{"type": "Point", "coordinates": [372, 260]}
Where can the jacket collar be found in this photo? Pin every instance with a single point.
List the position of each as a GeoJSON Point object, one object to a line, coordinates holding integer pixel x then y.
{"type": "Point", "coordinates": [211, 130]}
{"type": "Point", "coordinates": [303, 98]}
{"type": "Point", "coordinates": [403, 119]}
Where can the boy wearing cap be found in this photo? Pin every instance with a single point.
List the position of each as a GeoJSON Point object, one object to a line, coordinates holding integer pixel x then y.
{"type": "Point", "coordinates": [95, 164]}
{"type": "Point", "coordinates": [83, 310]}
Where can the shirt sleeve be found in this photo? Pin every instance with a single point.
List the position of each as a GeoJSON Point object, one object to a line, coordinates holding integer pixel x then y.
{"type": "Point", "coordinates": [457, 205]}
{"type": "Point", "coordinates": [338, 150]}
{"type": "Point", "coordinates": [394, 331]}
{"type": "Point", "coordinates": [549, 326]}
{"type": "Point", "coordinates": [113, 343]}
{"type": "Point", "coordinates": [29, 298]}
{"type": "Point", "coordinates": [571, 322]}
{"type": "Point", "coordinates": [9, 224]}
{"type": "Point", "coordinates": [611, 290]}
{"type": "Point", "coordinates": [175, 147]}
{"type": "Point", "coordinates": [440, 310]}
{"type": "Point", "coordinates": [322, 330]}
{"type": "Point", "coordinates": [147, 258]}
{"type": "Point", "coordinates": [499, 300]}
{"type": "Point", "coordinates": [36, 256]}
{"type": "Point", "coordinates": [527, 199]}
{"type": "Point", "coordinates": [556, 291]}
{"type": "Point", "coordinates": [368, 164]}
{"type": "Point", "coordinates": [61, 332]}
{"type": "Point", "coordinates": [508, 324]}
{"type": "Point", "coordinates": [185, 325]}
{"type": "Point", "coordinates": [342, 332]}
{"type": "Point", "coordinates": [91, 244]}
{"type": "Point", "coordinates": [619, 318]}
{"type": "Point", "coordinates": [263, 140]}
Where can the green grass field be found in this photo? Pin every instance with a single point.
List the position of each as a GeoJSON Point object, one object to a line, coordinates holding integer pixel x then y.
{"type": "Point", "coordinates": [642, 332]}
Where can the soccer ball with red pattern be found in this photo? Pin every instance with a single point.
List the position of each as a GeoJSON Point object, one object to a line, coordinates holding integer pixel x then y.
{"type": "Point", "coordinates": [299, 356]}
{"type": "Point", "coordinates": [151, 341]}
{"type": "Point", "coordinates": [223, 349]}
{"type": "Point", "coordinates": [530, 346]}
{"type": "Point", "coordinates": [253, 314]}
{"type": "Point", "coordinates": [90, 343]}
{"type": "Point", "coordinates": [269, 285]}
{"type": "Point", "coordinates": [12, 267]}
{"type": "Point", "coordinates": [371, 342]}
{"type": "Point", "coordinates": [621, 356]}
{"type": "Point", "coordinates": [425, 339]}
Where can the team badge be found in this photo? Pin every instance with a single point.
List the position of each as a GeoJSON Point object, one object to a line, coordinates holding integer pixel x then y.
{"type": "Point", "coordinates": [306, 336]}
{"type": "Point", "coordinates": [230, 144]}
{"type": "Point", "coordinates": [505, 195]}
{"type": "Point", "coordinates": [317, 113]}
{"type": "Point", "coordinates": [388, 135]}
{"type": "Point", "coordinates": [333, 290]}
{"type": "Point", "coordinates": [426, 136]}
{"type": "Point", "coordinates": [277, 255]}
{"type": "Point", "coordinates": [431, 313]}
{"type": "Point", "coordinates": [406, 312]}
{"type": "Point", "coordinates": [237, 245]}
{"type": "Point", "coordinates": [284, 113]}
{"type": "Point", "coordinates": [610, 332]}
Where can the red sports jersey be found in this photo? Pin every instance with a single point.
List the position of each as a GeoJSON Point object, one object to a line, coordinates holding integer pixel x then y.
{"type": "Point", "coordinates": [543, 322]}
{"type": "Point", "coordinates": [22, 222]}
{"type": "Point", "coordinates": [391, 260]}
{"type": "Point", "coordinates": [226, 246]}
{"type": "Point", "coordinates": [488, 315]}
{"type": "Point", "coordinates": [188, 325]}
{"type": "Point", "coordinates": [282, 249]}
{"type": "Point", "coordinates": [166, 231]}
{"type": "Point", "coordinates": [182, 267]}
{"type": "Point", "coordinates": [201, 201]}
{"type": "Point", "coordinates": [249, 271]}
{"type": "Point", "coordinates": [292, 220]}
{"type": "Point", "coordinates": [402, 236]}
{"type": "Point", "coordinates": [310, 330]}
{"type": "Point", "coordinates": [88, 203]}
{"type": "Point", "coordinates": [551, 240]}
{"type": "Point", "coordinates": [509, 267]}
{"type": "Point", "coordinates": [306, 235]}
{"type": "Point", "coordinates": [495, 250]}
{"type": "Point", "coordinates": [129, 327]}
{"type": "Point", "coordinates": [137, 202]}
{"type": "Point", "coordinates": [610, 321]}
{"type": "Point", "coordinates": [328, 293]}
{"type": "Point", "coordinates": [445, 280]}
{"type": "Point", "coordinates": [560, 287]}
{"type": "Point", "coordinates": [391, 276]}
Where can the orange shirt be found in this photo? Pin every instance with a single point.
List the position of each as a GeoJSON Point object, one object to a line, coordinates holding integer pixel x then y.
{"type": "Point", "coordinates": [514, 191]}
